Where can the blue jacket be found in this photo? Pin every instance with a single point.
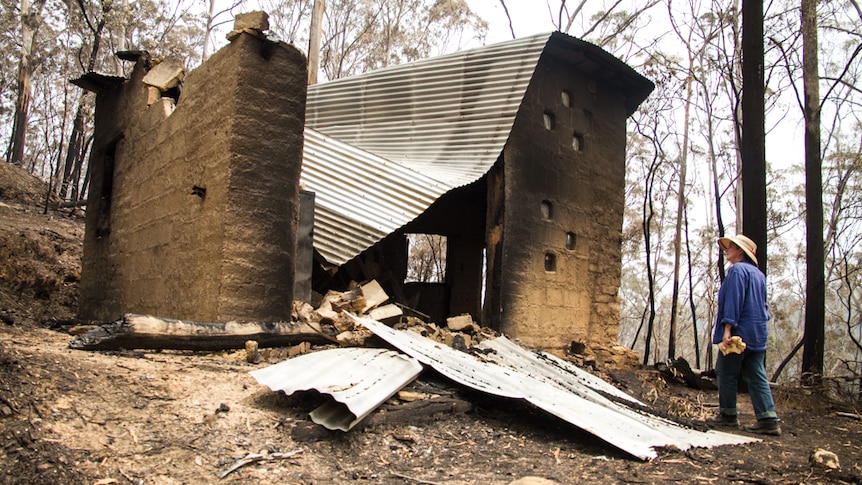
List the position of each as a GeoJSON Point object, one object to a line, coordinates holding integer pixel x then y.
{"type": "Point", "coordinates": [742, 303]}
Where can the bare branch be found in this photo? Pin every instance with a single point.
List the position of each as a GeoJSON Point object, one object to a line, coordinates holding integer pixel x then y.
{"type": "Point", "coordinates": [508, 17]}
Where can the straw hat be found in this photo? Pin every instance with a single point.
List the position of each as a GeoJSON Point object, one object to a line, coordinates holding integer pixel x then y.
{"type": "Point", "coordinates": [747, 245]}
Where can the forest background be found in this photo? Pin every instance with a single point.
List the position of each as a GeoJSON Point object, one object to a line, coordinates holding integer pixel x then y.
{"type": "Point", "coordinates": [683, 186]}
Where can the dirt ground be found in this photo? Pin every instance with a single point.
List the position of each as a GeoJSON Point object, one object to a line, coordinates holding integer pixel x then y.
{"type": "Point", "coordinates": [69, 416]}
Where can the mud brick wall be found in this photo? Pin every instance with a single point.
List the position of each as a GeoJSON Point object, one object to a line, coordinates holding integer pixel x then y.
{"type": "Point", "coordinates": [193, 207]}
{"type": "Point", "coordinates": [558, 259]}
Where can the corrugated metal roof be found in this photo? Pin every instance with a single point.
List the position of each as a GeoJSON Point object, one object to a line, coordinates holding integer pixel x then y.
{"type": "Point", "coordinates": [358, 380]}
{"type": "Point", "coordinates": [446, 118]}
{"type": "Point", "coordinates": [418, 130]}
{"type": "Point", "coordinates": [359, 197]}
{"type": "Point", "coordinates": [515, 373]}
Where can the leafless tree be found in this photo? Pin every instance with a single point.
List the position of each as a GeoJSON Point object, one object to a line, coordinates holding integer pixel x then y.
{"type": "Point", "coordinates": [30, 22]}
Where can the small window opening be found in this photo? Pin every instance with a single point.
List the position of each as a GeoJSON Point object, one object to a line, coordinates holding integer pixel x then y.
{"type": "Point", "coordinates": [578, 142]}
{"type": "Point", "coordinates": [570, 241]}
{"type": "Point", "coordinates": [547, 210]}
{"type": "Point", "coordinates": [566, 99]}
{"type": "Point", "coordinates": [426, 258]}
{"type": "Point", "coordinates": [550, 262]}
{"type": "Point", "coordinates": [550, 122]}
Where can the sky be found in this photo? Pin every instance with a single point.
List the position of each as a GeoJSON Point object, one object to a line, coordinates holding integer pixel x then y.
{"type": "Point", "coordinates": [532, 17]}
{"type": "Point", "coordinates": [528, 16]}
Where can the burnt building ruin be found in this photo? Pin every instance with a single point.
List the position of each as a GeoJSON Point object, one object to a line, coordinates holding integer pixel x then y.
{"type": "Point", "coordinates": [193, 203]}
{"type": "Point", "coordinates": [514, 152]}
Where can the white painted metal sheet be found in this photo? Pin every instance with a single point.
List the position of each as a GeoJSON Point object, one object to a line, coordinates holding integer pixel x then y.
{"type": "Point", "coordinates": [579, 401]}
{"type": "Point", "coordinates": [358, 380]}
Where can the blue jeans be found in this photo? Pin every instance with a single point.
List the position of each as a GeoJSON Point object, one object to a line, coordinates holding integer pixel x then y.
{"type": "Point", "coordinates": [751, 367]}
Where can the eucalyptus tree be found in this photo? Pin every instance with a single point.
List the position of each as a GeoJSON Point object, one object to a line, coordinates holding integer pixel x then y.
{"type": "Point", "coordinates": [360, 36]}
{"type": "Point", "coordinates": [651, 170]}
{"type": "Point", "coordinates": [9, 53]}
{"type": "Point", "coordinates": [828, 67]}
{"type": "Point", "coordinates": [30, 21]}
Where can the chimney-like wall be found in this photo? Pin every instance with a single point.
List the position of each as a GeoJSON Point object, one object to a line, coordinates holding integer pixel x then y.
{"type": "Point", "coordinates": [556, 212]}
{"type": "Point", "coordinates": [194, 204]}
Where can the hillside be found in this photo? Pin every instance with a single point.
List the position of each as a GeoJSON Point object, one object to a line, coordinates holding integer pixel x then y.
{"type": "Point", "coordinates": [182, 417]}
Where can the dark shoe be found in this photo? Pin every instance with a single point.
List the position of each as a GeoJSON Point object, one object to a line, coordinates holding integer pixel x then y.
{"type": "Point", "coordinates": [724, 420]}
{"type": "Point", "coordinates": [765, 426]}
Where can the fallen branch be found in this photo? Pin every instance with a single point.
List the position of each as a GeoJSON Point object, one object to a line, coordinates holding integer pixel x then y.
{"type": "Point", "coordinates": [414, 479]}
{"type": "Point", "coordinates": [255, 457]}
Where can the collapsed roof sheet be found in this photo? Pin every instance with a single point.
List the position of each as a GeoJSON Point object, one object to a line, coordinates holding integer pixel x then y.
{"type": "Point", "coordinates": [447, 117]}
{"type": "Point", "coordinates": [554, 386]}
{"type": "Point", "coordinates": [441, 123]}
{"type": "Point", "coordinates": [410, 132]}
{"type": "Point", "coordinates": [359, 197]}
{"type": "Point", "coordinates": [358, 380]}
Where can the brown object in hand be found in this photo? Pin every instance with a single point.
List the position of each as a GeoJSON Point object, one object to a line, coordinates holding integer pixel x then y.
{"type": "Point", "coordinates": [736, 346]}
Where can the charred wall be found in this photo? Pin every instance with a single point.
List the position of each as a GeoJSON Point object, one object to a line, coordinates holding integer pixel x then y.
{"type": "Point", "coordinates": [556, 212]}
{"type": "Point", "coordinates": [193, 205]}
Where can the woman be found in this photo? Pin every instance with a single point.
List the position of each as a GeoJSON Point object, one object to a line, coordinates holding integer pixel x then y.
{"type": "Point", "coordinates": [743, 312]}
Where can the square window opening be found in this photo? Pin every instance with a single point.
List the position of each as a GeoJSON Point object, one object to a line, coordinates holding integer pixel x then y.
{"type": "Point", "coordinates": [426, 258]}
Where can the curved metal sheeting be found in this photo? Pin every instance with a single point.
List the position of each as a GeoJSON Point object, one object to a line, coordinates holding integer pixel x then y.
{"type": "Point", "coordinates": [579, 401]}
{"type": "Point", "coordinates": [447, 116]}
{"type": "Point", "coordinates": [359, 196]}
{"type": "Point", "coordinates": [358, 379]}
{"type": "Point", "coordinates": [428, 127]}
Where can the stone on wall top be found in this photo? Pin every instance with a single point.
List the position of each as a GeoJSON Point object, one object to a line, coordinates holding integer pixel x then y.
{"type": "Point", "coordinates": [165, 75]}
{"type": "Point", "coordinates": [255, 23]}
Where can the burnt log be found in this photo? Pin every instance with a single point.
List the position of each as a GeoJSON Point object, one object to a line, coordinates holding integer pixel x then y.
{"type": "Point", "coordinates": [148, 332]}
{"type": "Point", "coordinates": [680, 369]}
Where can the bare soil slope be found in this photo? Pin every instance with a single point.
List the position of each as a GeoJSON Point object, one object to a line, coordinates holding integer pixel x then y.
{"type": "Point", "coordinates": [182, 417]}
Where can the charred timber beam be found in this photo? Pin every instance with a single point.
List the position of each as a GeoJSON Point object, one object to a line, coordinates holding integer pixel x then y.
{"type": "Point", "coordinates": [148, 332]}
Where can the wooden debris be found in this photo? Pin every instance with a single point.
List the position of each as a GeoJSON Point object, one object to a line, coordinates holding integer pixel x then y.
{"type": "Point", "coordinates": [385, 313]}
{"type": "Point", "coordinates": [461, 323]}
{"type": "Point", "coordinates": [374, 295]}
{"type": "Point", "coordinates": [255, 457]}
{"type": "Point", "coordinates": [328, 323]}
{"type": "Point", "coordinates": [148, 332]}
{"type": "Point", "coordinates": [410, 396]}
{"type": "Point", "coordinates": [679, 369]}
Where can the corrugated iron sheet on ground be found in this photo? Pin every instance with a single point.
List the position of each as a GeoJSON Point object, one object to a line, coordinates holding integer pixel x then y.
{"type": "Point", "coordinates": [511, 371]}
{"type": "Point", "coordinates": [358, 380]}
